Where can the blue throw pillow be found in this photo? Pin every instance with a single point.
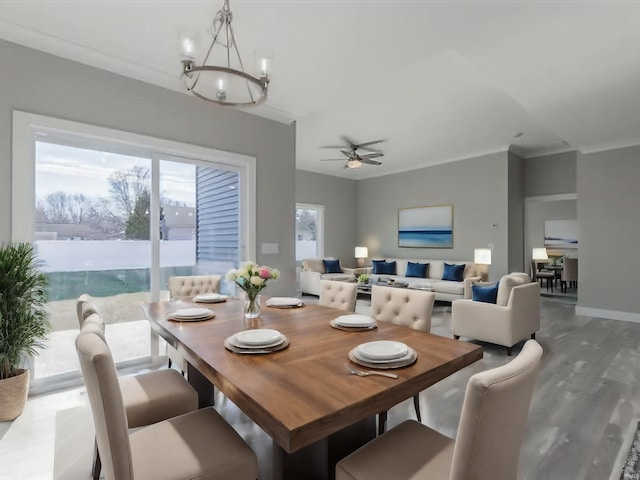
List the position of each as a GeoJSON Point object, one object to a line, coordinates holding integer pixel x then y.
{"type": "Point", "coordinates": [375, 264]}
{"type": "Point", "coordinates": [453, 272]}
{"type": "Point", "coordinates": [387, 268]}
{"type": "Point", "coordinates": [482, 293]}
{"type": "Point", "coordinates": [418, 270]}
{"type": "Point", "coordinates": [332, 266]}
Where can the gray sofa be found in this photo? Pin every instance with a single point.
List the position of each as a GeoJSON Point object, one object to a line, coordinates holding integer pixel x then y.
{"type": "Point", "coordinates": [445, 290]}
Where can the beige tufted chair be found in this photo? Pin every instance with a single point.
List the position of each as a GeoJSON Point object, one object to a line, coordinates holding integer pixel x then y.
{"type": "Point", "coordinates": [402, 306]}
{"type": "Point", "coordinates": [190, 286]}
{"type": "Point", "coordinates": [198, 444]}
{"type": "Point", "coordinates": [148, 397]}
{"type": "Point", "coordinates": [187, 287]}
{"type": "Point", "coordinates": [487, 446]}
{"type": "Point", "coordinates": [340, 295]}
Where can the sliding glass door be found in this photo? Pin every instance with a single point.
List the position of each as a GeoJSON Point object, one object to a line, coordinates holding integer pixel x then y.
{"type": "Point", "coordinates": [116, 220]}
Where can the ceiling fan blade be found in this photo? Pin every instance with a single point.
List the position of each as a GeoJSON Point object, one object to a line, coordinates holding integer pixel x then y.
{"type": "Point", "coordinates": [332, 160]}
{"type": "Point", "coordinates": [369, 161]}
{"type": "Point", "coordinates": [333, 146]}
{"type": "Point", "coordinates": [347, 153]}
{"type": "Point", "coordinates": [349, 141]}
{"type": "Point", "coordinates": [365, 144]}
{"type": "Point", "coordinates": [372, 155]}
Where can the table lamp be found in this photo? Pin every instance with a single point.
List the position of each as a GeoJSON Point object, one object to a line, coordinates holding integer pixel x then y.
{"type": "Point", "coordinates": [482, 256]}
{"type": "Point", "coordinates": [361, 254]}
{"type": "Point", "coordinates": [539, 254]}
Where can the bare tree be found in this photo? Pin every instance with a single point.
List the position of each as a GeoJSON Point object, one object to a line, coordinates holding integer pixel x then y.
{"type": "Point", "coordinates": [126, 187]}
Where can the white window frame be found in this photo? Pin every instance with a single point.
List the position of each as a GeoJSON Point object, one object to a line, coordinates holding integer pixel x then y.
{"type": "Point", "coordinates": [29, 127]}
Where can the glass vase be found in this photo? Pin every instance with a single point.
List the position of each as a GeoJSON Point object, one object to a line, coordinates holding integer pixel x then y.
{"type": "Point", "coordinates": [251, 306]}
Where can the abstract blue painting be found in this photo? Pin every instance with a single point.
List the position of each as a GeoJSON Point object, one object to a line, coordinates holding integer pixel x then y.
{"type": "Point", "coordinates": [426, 227]}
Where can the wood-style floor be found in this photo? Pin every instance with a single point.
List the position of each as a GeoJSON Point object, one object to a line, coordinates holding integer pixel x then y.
{"type": "Point", "coordinates": [584, 410]}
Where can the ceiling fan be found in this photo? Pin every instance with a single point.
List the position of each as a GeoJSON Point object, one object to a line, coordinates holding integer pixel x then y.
{"type": "Point", "coordinates": [354, 159]}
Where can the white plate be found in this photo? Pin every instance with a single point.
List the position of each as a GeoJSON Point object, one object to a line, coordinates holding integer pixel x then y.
{"type": "Point", "coordinates": [210, 298]}
{"type": "Point", "coordinates": [283, 302]}
{"type": "Point", "coordinates": [385, 350]}
{"type": "Point", "coordinates": [192, 313]}
{"type": "Point", "coordinates": [354, 320]}
{"type": "Point", "coordinates": [359, 357]}
{"type": "Point", "coordinates": [258, 337]}
{"type": "Point", "coordinates": [238, 344]}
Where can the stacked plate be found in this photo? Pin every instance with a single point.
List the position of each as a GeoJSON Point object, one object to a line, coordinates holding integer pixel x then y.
{"type": "Point", "coordinates": [353, 322]}
{"type": "Point", "coordinates": [259, 340]}
{"type": "Point", "coordinates": [383, 354]}
{"type": "Point", "coordinates": [284, 302]}
{"type": "Point", "coordinates": [210, 298]}
{"type": "Point", "coordinates": [192, 315]}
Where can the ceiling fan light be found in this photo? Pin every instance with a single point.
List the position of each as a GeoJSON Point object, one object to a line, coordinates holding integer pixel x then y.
{"type": "Point", "coordinates": [354, 163]}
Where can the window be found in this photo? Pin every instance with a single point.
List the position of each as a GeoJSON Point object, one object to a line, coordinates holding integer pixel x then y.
{"type": "Point", "coordinates": [309, 231]}
{"type": "Point", "coordinates": [86, 196]}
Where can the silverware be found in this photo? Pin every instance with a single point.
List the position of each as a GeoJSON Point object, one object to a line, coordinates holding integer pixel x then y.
{"type": "Point", "coordinates": [362, 373]}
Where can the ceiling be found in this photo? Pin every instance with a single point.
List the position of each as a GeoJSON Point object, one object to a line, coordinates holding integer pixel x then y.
{"type": "Point", "coordinates": [439, 80]}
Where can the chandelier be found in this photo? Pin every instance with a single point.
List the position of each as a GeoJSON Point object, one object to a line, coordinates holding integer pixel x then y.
{"type": "Point", "coordinates": [224, 80]}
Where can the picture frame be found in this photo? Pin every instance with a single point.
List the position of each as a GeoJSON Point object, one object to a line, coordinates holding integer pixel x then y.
{"type": "Point", "coordinates": [426, 227]}
{"type": "Point", "coordinates": [561, 233]}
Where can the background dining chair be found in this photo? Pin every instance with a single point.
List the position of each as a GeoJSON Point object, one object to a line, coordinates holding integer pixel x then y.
{"type": "Point", "coordinates": [487, 446]}
{"type": "Point", "coordinates": [569, 274]}
{"type": "Point", "coordinates": [538, 274]}
{"type": "Point", "coordinates": [147, 397]}
{"type": "Point", "coordinates": [406, 307]}
{"type": "Point", "coordinates": [335, 294]}
{"type": "Point", "coordinates": [188, 286]}
{"type": "Point", "coordinates": [199, 444]}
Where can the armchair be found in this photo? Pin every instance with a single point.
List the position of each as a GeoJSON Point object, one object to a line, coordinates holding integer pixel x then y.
{"type": "Point", "coordinates": [313, 271]}
{"type": "Point", "coordinates": [517, 318]}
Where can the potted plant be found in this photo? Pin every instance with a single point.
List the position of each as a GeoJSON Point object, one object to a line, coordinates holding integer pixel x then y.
{"type": "Point", "coordinates": [363, 278]}
{"type": "Point", "coordinates": [24, 322]}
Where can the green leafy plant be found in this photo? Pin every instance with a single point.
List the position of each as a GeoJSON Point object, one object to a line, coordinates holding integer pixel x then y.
{"type": "Point", "coordinates": [364, 278]}
{"type": "Point", "coordinates": [24, 321]}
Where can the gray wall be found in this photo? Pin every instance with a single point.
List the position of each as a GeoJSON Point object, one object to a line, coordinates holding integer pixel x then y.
{"type": "Point", "coordinates": [609, 222]}
{"type": "Point", "coordinates": [40, 83]}
{"type": "Point", "coordinates": [338, 195]}
{"type": "Point", "coordinates": [516, 213]}
{"type": "Point", "coordinates": [550, 174]}
{"type": "Point", "coordinates": [478, 190]}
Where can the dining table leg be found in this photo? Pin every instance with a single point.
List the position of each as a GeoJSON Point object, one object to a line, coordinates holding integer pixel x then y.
{"type": "Point", "coordinates": [202, 385]}
{"type": "Point", "coordinates": [318, 460]}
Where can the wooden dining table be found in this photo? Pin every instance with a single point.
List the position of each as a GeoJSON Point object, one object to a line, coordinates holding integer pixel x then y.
{"type": "Point", "coordinates": [304, 397]}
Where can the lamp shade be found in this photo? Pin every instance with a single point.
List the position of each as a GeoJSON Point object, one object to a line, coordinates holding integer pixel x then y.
{"type": "Point", "coordinates": [482, 256]}
{"type": "Point", "coordinates": [361, 252]}
{"type": "Point", "coordinates": [539, 254]}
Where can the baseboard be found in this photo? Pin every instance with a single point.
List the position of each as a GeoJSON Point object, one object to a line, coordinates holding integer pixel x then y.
{"type": "Point", "coordinates": [610, 314]}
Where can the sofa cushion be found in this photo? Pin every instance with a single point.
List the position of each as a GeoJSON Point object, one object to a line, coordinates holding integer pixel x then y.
{"type": "Point", "coordinates": [445, 286]}
{"type": "Point", "coordinates": [507, 282]}
{"type": "Point", "coordinates": [418, 270]}
{"type": "Point", "coordinates": [332, 266]}
{"type": "Point", "coordinates": [384, 268]}
{"type": "Point", "coordinates": [453, 272]}
{"type": "Point", "coordinates": [375, 265]}
{"type": "Point", "coordinates": [484, 293]}
{"type": "Point", "coordinates": [341, 277]}
{"type": "Point", "coordinates": [314, 265]}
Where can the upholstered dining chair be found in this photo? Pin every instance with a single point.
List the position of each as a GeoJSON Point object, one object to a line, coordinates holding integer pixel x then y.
{"type": "Point", "coordinates": [199, 444]}
{"type": "Point", "coordinates": [341, 295]}
{"type": "Point", "coordinates": [487, 446]}
{"type": "Point", "coordinates": [569, 274]}
{"type": "Point", "coordinates": [188, 286]}
{"type": "Point", "coordinates": [407, 307]}
{"type": "Point", "coordinates": [147, 397]}
{"type": "Point", "coordinates": [192, 285]}
{"type": "Point", "coordinates": [538, 274]}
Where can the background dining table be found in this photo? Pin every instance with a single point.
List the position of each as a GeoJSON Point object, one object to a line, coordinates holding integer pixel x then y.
{"type": "Point", "coordinates": [303, 396]}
